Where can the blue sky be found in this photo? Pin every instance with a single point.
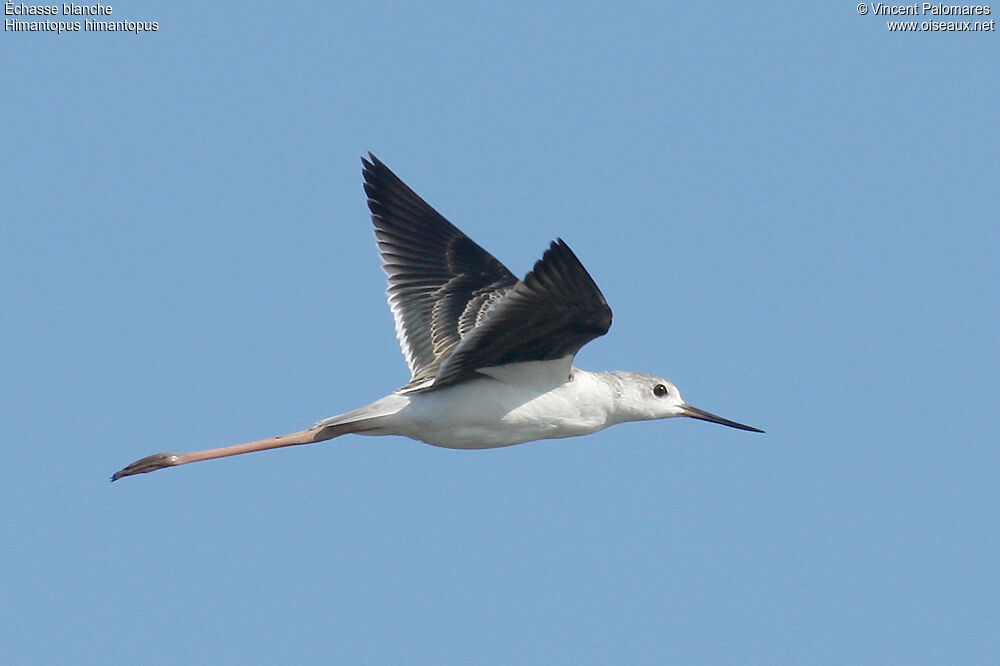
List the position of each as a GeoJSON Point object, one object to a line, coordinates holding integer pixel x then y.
{"type": "Point", "coordinates": [792, 212]}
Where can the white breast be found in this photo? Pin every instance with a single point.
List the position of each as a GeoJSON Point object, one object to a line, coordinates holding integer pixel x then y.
{"type": "Point", "coordinates": [511, 406]}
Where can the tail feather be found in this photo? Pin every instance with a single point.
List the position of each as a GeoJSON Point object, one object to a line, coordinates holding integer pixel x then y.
{"type": "Point", "coordinates": [367, 417]}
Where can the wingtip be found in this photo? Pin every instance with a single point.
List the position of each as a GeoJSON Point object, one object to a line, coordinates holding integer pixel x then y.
{"type": "Point", "coordinates": [560, 250]}
{"type": "Point", "coordinates": [374, 171]}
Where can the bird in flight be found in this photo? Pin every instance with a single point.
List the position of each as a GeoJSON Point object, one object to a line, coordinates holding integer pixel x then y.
{"type": "Point", "coordinates": [490, 356]}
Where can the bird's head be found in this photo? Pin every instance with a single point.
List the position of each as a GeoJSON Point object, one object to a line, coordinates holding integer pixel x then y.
{"type": "Point", "coordinates": [647, 397]}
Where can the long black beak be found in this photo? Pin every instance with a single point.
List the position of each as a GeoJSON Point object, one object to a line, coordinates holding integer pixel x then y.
{"type": "Point", "coordinates": [696, 413]}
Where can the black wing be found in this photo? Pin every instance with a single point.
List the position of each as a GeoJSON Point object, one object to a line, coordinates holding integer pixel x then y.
{"type": "Point", "coordinates": [551, 314]}
{"type": "Point", "coordinates": [457, 308]}
{"type": "Point", "coordinates": [440, 281]}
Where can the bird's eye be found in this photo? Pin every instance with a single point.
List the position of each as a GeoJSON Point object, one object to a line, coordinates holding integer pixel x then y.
{"type": "Point", "coordinates": [660, 390]}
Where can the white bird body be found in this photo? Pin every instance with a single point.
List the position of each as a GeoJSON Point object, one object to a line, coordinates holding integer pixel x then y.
{"type": "Point", "coordinates": [490, 356]}
{"type": "Point", "coordinates": [513, 404]}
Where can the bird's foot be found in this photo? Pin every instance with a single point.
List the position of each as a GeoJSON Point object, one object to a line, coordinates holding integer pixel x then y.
{"type": "Point", "coordinates": [148, 464]}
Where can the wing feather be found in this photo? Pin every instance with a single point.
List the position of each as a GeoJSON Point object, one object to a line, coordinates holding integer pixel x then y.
{"type": "Point", "coordinates": [435, 271]}
{"type": "Point", "coordinates": [551, 314]}
{"type": "Point", "coordinates": [457, 309]}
